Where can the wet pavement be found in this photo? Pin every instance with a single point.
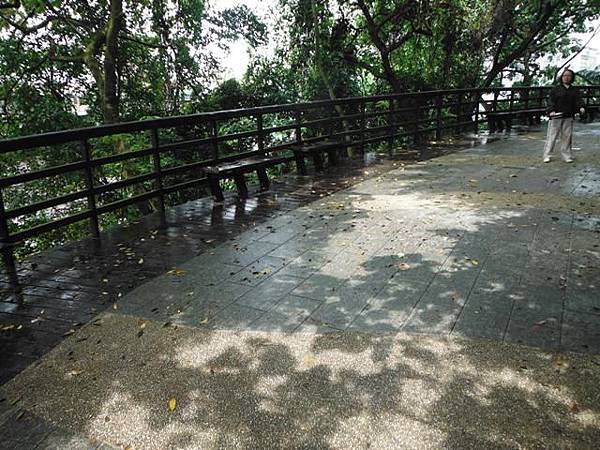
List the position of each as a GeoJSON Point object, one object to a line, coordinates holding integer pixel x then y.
{"type": "Point", "coordinates": [471, 253]}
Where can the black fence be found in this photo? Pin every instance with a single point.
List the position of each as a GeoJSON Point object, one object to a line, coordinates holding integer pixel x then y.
{"type": "Point", "coordinates": [174, 151]}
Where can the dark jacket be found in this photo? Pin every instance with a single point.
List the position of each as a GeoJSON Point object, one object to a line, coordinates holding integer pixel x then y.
{"type": "Point", "coordinates": [563, 100]}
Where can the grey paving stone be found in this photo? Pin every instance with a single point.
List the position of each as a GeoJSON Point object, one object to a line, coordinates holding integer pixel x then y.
{"type": "Point", "coordinates": [318, 286]}
{"type": "Point", "coordinates": [305, 265]}
{"type": "Point", "coordinates": [342, 307]}
{"type": "Point", "coordinates": [390, 308]}
{"type": "Point", "coordinates": [583, 299]}
{"type": "Point", "coordinates": [268, 293]}
{"type": "Point", "coordinates": [204, 271]}
{"type": "Point", "coordinates": [581, 332]}
{"type": "Point", "coordinates": [282, 235]}
{"type": "Point", "coordinates": [258, 271]}
{"type": "Point", "coordinates": [440, 305]}
{"type": "Point", "coordinates": [413, 268]}
{"type": "Point", "coordinates": [204, 304]}
{"type": "Point", "coordinates": [290, 250]}
{"type": "Point", "coordinates": [241, 255]}
{"type": "Point", "coordinates": [287, 315]}
{"type": "Point", "coordinates": [535, 320]}
{"type": "Point", "coordinates": [485, 315]}
{"type": "Point", "coordinates": [234, 317]}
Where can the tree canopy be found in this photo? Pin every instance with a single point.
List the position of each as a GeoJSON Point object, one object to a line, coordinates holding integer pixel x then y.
{"type": "Point", "coordinates": [126, 60]}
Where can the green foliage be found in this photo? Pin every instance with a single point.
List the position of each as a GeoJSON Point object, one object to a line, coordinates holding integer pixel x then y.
{"type": "Point", "coordinates": [162, 58]}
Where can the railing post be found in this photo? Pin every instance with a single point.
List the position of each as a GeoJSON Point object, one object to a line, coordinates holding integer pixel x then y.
{"type": "Point", "coordinates": [260, 134]}
{"type": "Point", "coordinates": [155, 140]}
{"type": "Point", "coordinates": [457, 129]}
{"type": "Point", "coordinates": [363, 124]}
{"type": "Point", "coordinates": [391, 124]}
{"type": "Point", "coordinates": [416, 136]}
{"type": "Point", "coordinates": [8, 256]}
{"type": "Point", "coordinates": [214, 137]}
{"type": "Point", "coordinates": [438, 116]}
{"type": "Point", "coordinates": [476, 122]}
{"type": "Point", "coordinates": [89, 181]}
{"type": "Point", "coordinates": [298, 129]}
{"type": "Point", "coordinates": [331, 121]}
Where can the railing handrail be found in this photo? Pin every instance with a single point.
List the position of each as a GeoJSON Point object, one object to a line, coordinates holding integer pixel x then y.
{"type": "Point", "coordinates": [77, 134]}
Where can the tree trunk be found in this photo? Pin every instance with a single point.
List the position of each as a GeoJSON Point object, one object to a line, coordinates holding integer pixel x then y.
{"type": "Point", "coordinates": [110, 94]}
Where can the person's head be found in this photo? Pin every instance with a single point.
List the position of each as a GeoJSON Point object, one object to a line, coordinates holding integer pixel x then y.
{"type": "Point", "coordinates": [567, 77]}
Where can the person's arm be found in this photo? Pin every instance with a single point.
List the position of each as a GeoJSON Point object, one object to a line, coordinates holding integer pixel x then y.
{"type": "Point", "coordinates": [551, 102]}
{"type": "Point", "coordinates": [579, 102]}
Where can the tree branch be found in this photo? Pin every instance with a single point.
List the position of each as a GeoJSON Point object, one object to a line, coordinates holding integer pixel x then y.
{"type": "Point", "coordinates": [580, 50]}
{"type": "Point", "coordinates": [146, 44]}
{"type": "Point", "coordinates": [28, 30]}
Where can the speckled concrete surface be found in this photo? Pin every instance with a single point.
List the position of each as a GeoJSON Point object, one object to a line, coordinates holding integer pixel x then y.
{"type": "Point", "coordinates": [112, 381]}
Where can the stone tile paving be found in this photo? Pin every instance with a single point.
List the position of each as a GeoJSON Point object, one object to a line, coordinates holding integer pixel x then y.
{"type": "Point", "coordinates": [484, 243]}
{"type": "Point", "coordinates": [68, 286]}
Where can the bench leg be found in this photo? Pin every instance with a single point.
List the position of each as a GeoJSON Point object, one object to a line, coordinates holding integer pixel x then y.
{"type": "Point", "coordinates": [215, 187]}
{"type": "Point", "coordinates": [332, 156]}
{"type": "Point", "coordinates": [318, 160]}
{"type": "Point", "coordinates": [240, 182]}
{"type": "Point", "coordinates": [265, 185]}
{"type": "Point", "coordinates": [300, 164]}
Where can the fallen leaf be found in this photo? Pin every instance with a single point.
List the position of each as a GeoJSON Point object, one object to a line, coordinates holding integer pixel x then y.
{"type": "Point", "coordinates": [74, 373]}
{"type": "Point", "coordinates": [20, 415]}
{"type": "Point", "coordinates": [69, 333]}
{"type": "Point", "coordinates": [141, 261]}
{"type": "Point", "coordinates": [172, 404]}
{"type": "Point", "coordinates": [114, 306]}
{"type": "Point", "coordinates": [202, 322]}
{"type": "Point", "coordinates": [403, 266]}
{"type": "Point", "coordinates": [176, 272]}
{"type": "Point", "coordinates": [561, 364]}
{"type": "Point", "coordinates": [474, 262]}
{"type": "Point", "coordinates": [309, 360]}
{"type": "Point", "coordinates": [575, 408]}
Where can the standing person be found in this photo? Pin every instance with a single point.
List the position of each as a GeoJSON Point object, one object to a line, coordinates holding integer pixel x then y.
{"type": "Point", "coordinates": [565, 101]}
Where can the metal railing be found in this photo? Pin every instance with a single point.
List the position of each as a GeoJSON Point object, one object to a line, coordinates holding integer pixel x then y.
{"type": "Point", "coordinates": [210, 138]}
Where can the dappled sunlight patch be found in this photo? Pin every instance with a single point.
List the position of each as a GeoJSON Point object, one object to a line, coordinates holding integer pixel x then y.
{"type": "Point", "coordinates": [189, 388]}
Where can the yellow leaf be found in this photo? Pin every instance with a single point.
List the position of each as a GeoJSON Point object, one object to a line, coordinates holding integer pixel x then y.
{"type": "Point", "coordinates": [172, 404]}
{"type": "Point", "coordinates": [176, 272]}
{"type": "Point", "coordinates": [474, 262]}
{"type": "Point", "coordinates": [403, 266]}
{"type": "Point", "coordinates": [202, 322]}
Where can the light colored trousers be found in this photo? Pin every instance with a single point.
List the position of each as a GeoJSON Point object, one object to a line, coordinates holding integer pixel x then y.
{"type": "Point", "coordinates": [560, 133]}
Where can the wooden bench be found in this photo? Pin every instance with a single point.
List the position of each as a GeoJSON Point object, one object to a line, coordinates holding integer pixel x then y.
{"type": "Point", "coordinates": [499, 120]}
{"type": "Point", "coordinates": [316, 150]}
{"type": "Point", "coordinates": [236, 170]}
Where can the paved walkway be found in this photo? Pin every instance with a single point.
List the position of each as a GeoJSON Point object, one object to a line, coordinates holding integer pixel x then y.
{"type": "Point", "coordinates": [416, 265]}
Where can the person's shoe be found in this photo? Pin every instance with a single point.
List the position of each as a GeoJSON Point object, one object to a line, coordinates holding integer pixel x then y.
{"type": "Point", "coordinates": [547, 159]}
{"type": "Point", "coordinates": [569, 160]}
